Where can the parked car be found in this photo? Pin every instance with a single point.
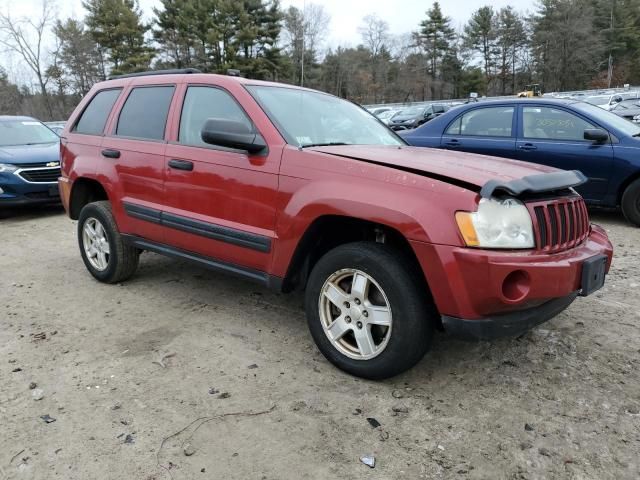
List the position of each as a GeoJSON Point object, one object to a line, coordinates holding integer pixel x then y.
{"type": "Point", "coordinates": [609, 100]}
{"type": "Point", "coordinates": [629, 109]}
{"type": "Point", "coordinates": [377, 111]}
{"type": "Point", "coordinates": [565, 134]}
{"type": "Point", "coordinates": [57, 127]}
{"type": "Point", "coordinates": [413, 117]}
{"type": "Point", "coordinates": [386, 116]}
{"type": "Point", "coordinates": [387, 241]}
{"type": "Point", "coordinates": [29, 162]}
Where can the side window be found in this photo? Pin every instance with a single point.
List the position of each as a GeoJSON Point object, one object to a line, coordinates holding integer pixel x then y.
{"type": "Point", "coordinates": [454, 128]}
{"type": "Point", "coordinates": [201, 104]}
{"type": "Point", "coordinates": [94, 117]}
{"type": "Point", "coordinates": [553, 124]}
{"type": "Point", "coordinates": [144, 114]}
{"type": "Point", "coordinates": [487, 122]}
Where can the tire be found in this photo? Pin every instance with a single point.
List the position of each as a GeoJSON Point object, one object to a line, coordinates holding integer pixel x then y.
{"type": "Point", "coordinates": [120, 260]}
{"type": "Point", "coordinates": [631, 203]}
{"type": "Point", "coordinates": [391, 279]}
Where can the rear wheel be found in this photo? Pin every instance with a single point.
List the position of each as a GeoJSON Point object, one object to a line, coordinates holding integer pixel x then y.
{"type": "Point", "coordinates": [367, 312]}
{"type": "Point", "coordinates": [104, 252]}
{"type": "Point", "coordinates": [631, 203]}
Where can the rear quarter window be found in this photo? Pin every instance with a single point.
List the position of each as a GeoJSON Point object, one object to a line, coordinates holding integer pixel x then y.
{"type": "Point", "coordinates": [94, 117]}
{"type": "Point", "coordinates": [144, 114]}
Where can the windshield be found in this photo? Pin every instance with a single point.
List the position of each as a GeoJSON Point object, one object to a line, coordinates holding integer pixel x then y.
{"type": "Point", "coordinates": [599, 100]}
{"type": "Point", "coordinates": [308, 118]}
{"type": "Point", "coordinates": [609, 119]}
{"type": "Point", "coordinates": [25, 132]}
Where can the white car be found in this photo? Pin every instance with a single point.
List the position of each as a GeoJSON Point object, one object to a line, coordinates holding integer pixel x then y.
{"type": "Point", "coordinates": [609, 101]}
{"type": "Point", "coordinates": [386, 116]}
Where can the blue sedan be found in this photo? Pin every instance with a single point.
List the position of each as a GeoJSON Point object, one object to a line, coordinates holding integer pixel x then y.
{"type": "Point", "coordinates": [566, 134]}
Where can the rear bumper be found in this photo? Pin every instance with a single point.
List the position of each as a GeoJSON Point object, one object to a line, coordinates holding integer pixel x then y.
{"type": "Point", "coordinates": [507, 324]}
{"type": "Point", "coordinates": [477, 285]}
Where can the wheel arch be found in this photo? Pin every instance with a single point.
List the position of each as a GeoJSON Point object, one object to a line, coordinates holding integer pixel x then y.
{"type": "Point", "coordinates": [329, 231]}
{"type": "Point", "coordinates": [625, 184]}
{"type": "Point", "coordinates": [83, 191]}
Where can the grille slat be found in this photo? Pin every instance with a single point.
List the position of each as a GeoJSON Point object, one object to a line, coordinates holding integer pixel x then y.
{"type": "Point", "coordinates": [49, 175]}
{"type": "Point", "coordinates": [560, 224]}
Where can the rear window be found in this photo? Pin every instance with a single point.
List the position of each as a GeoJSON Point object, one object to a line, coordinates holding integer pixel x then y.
{"type": "Point", "coordinates": [144, 114]}
{"type": "Point", "coordinates": [94, 117]}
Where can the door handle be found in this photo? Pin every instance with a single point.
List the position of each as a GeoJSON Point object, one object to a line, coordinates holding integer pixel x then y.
{"type": "Point", "coordinates": [527, 147]}
{"type": "Point", "coordinates": [110, 153]}
{"type": "Point", "coordinates": [452, 143]}
{"type": "Point", "coordinates": [181, 165]}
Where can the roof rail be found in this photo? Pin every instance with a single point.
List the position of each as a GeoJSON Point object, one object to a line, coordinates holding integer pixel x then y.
{"type": "Point", "coordinates": [174, 71]}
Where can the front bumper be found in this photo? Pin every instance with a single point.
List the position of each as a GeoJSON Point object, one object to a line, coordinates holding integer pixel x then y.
{"type": "Point", "coordinates": [507, 324]}
{"type": "Point", "coordinates": [481, 285]}
{"type": "Point", "coordinates": [16, 192]}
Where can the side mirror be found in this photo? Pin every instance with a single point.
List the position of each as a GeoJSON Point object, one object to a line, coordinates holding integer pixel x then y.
{"type": "Point", "coordinates": [232, 134]}
{"type": "Point", "coordinates": [617, 99]}
{"type": "Point", "coordinates": [596, 135]}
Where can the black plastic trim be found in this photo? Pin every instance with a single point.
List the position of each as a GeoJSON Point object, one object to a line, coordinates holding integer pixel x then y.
{"type": "Point", "coordinates": [210, 263]}
{"type": "Point", "coordinates": [544, 182]}
{"type": "Point", "coordinates": [143, 213]}
{"type": "Point", "coordinates": [233, 236]}
{"type": "Point", "coordinates": [217, 232]}
{"type": "Point", "coordinates": [508, 324]}
{"type": "Point", "coordinates": [176, 71]}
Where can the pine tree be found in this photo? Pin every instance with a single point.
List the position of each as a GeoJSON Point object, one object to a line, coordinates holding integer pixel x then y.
{"type": "Point", "coordinates": [117, 27]}
{"type": "Point", "coordinates": [480, 35]}
{"type": "Point", "coordinates": [436, 37]}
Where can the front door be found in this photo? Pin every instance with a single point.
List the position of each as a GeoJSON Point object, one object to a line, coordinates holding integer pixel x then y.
{"type": "Point", "coordinates": [220, 202]}
{"type": "Point", "coordinates": [554, 136]}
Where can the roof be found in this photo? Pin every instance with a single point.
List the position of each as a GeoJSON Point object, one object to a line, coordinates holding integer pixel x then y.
{"type": "Point", "coordinates": [539, 100]}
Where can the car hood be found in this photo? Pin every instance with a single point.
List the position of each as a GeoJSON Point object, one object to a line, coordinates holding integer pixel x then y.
{"type": "Point", "coordinates": [467, 169]}
{"type": "Point", "coordinates": [40, 153]}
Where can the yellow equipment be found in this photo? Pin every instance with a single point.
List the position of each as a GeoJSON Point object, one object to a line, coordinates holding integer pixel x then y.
{"type": "Point", "coordinates": [531, 91]}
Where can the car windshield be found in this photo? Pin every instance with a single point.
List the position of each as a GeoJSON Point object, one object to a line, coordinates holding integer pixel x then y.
{"type": "Point", "coordinates": [25, 132]}
{"type": "Point", "coordinates": [598, 100]}
{"type": "Point", "coordinates": [307, 118]}
{"type": "Point", "coordinates": [627, 104]}
{"type": "Point", "coordinates": [609, 119]}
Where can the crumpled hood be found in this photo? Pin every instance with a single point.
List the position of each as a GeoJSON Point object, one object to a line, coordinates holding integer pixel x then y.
{"type": "Point", "coordinates": [19, 154]}
{"type": "Point", "coordinates": [460, 167]}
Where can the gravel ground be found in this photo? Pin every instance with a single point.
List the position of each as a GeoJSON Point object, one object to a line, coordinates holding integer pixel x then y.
{"type": "Point", "coordinates": [183, 373]}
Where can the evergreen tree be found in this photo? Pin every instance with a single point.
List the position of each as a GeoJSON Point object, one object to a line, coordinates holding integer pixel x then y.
{"type": "Point", "coordinates": [117, 27]}
{"type": "Point", "coordinates": [436, 36]}
{"type": "Point", "coordinates": [480, 35]}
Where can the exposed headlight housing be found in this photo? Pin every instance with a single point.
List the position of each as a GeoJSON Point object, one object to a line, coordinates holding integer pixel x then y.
{"type": "Point", "coordinates": [498, 223]}
{"type": "Point", "coordinates": [7, 167]}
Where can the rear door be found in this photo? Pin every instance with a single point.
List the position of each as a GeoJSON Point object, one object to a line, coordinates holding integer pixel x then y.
{"type": "Point", "coordinates": [134, 154]}
{"type": "Point", "coordinates": [486, 130]}
{"type": "Point", "coordinates": [554, 136]}
{"type": "Point", "coordinates": [220, 202]}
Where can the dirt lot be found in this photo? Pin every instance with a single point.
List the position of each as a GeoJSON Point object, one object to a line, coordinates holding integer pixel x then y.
{"type": "Point", "coordinates": [561, 402]}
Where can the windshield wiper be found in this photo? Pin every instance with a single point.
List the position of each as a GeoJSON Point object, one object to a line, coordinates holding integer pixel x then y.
{"type": "Point", "coordinates": [327, 144]}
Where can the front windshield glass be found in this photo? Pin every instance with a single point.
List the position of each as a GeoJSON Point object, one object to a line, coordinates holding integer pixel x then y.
{"type": "Point", "coordinates": [599, 100]}
{"type": "Point", "coordinates": [307, 118]}
{"type": "Point", "coordinates": [25, 132]}
{"type": "Point", "coordinates": [608, 119]}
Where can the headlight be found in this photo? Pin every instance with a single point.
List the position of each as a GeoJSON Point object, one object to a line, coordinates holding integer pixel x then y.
{"type": "Point", "coordinates": [636, 118]}
{"type": "Point", "coordinates": [497, 224]}
{"type": "Point", "coordinates": [5, 167]}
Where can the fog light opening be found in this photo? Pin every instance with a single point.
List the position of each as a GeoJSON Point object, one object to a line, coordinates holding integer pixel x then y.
{"type": "Point", "coordinates": [516, 286]}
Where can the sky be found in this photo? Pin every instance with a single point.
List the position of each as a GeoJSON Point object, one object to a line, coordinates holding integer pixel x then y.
{"type": "Point", "coordinates": [403, 16]}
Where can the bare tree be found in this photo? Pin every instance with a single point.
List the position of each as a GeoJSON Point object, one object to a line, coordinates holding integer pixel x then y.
{"type": "Point", "coordinates": [25, 37]}
{"type": "Point", "coordinates": [375, 33]}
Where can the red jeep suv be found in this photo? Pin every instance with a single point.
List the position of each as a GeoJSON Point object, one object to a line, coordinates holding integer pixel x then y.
{"type": "Point", "coordinates": [297, 189]}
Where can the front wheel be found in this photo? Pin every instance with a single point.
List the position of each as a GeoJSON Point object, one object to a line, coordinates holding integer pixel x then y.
{"type": "Point", "coordinates": [367, 310]}
{"type": "Point", "coordinates": [631, 203]}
